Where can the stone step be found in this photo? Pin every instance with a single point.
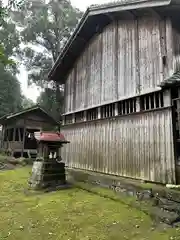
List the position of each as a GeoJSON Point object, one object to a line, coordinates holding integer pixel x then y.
{"type": "Point", "coordinates": [168, 205]}
{"type": "Point", "coordinates": [161, 215]}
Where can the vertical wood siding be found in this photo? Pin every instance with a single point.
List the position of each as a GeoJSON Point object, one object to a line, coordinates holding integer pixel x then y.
{"type": "Point", "coordinates": [176, 50]}
{"type": "Point", "coordinates": [127, 58]}
{"type": "Point", "coordinates": [124, 60]}
{"type": "Point", "coordinates": [169, 47]}
{"type": "Point", "coordinates": [69, 92]}
{"type": "Point", "coordinates": [80, 83]}
{"type": "Point", "coordinates": [136, 146]}
{"type": "Point", "coordinates": [108, 67]}
{"type": "Point", "coordinates": [94, 63]}
{"type": "Point", "coordinates": [150, 58]}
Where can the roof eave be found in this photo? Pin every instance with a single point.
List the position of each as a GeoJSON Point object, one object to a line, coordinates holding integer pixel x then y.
{"type": "Point", "coordinates": [52, 141]}
{"type": "Point", "coordinates": [128, 6]}
{"type": "Point", "coordinates": [9, 117]}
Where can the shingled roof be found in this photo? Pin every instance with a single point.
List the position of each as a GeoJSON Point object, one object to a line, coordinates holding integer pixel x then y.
{"type": "Point", "coordinates": [92, 22]}
{"type": "Point", "coordinates": [173, 80]}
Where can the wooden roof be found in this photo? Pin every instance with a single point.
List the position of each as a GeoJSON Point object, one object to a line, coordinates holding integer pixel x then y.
{"type": "Point", "coordinates": [92, 22]}
{"type": "Point", "coordinates": [172, 80]}
{"type": "Point", "coordinates": [35, 110]}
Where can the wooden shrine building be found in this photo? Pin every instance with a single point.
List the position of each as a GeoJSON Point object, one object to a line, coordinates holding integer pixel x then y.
{"type": "Point", "coordinates": [18, 130]}
{"type": "Point", "coordinates": [121, 71]}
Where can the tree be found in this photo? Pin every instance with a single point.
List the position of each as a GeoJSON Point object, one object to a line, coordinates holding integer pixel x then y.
{"type": "Point", "coordinates": [47, 100]}
{"type": "Point", "coordinates": [46, 26]}
{"type": "Point", "coordinates": [3, 58]}
{"type": "Point", "coordinates": [26, 102]}
{"type": "Point", "coordinates": [5, 28]}
{"type": "Point", "coordinates": [10, 92]}
{"type": "Point", "coordinates": [10, 43]}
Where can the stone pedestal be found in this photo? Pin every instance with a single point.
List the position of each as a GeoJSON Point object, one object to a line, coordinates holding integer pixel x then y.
{"type": "Point", "coordinates": [36, 174]}
{"type": "Point", "coordinates": [47, 173]}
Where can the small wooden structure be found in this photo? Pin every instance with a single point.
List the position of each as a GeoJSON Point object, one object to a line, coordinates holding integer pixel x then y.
{"type": "Point", "coordinates": [18, 131]}
{"type": "Point", "coordinates": [48, 170]}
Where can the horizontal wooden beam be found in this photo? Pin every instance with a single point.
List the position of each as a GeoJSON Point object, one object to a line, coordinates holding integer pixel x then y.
{"type": "Point", "coordinates": [118, 100]}
{"type": "Point", "coordinates": [121, 116]}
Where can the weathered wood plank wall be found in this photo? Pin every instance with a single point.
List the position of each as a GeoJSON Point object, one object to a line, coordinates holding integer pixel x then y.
{"type": "Point", "coordinates": [107, 67]}
{"type": "Point", "coordinates": [176, 45]}
{"type": "Point", "coordinates": [138, 146]}
{"type": "Point", "coordinates": [92, 66]}
{"type": "Point", "coordinates": [128, 77]}
{"type": "Point", "coordinates": [150, 58]}
{"type": "Point", "coordinates": [12, 145]}
{"type": "Point", "coordinates": [124, 60]}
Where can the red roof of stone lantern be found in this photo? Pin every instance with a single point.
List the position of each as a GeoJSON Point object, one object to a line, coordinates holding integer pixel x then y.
{"type": "Point", "coordinates": [50, 137]}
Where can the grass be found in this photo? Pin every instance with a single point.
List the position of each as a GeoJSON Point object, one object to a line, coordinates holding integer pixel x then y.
{"type": "Point", "coordinates": [69, 214]}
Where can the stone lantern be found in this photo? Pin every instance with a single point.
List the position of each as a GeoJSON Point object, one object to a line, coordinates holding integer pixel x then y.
{"type": "Point", "coordinates": [48, 169]}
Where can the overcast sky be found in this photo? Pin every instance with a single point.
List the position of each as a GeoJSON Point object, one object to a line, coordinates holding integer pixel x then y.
{"type": "Point", "coordinates": [32, 92]}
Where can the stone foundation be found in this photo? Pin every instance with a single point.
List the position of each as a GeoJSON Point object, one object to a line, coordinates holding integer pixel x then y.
{"type": "Point", "coordinates": [164, 204]}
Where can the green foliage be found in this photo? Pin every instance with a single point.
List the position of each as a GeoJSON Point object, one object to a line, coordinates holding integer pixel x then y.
{"type": "Point", "coordinates": [26, 102]}
{"type": "Point", "coordinates": [10, 42]}
{"type": "Point", "coordinates": [2, 13]}
{"type": "Point", "coordinates": [9, 33]}
{"type": "Point", "coordinates": [10, 92]}
{"type": "Point", "coordinates": [11, 98]}
{"type": "Point", "coordinates": [2, 156]}
{"type": "Point", "coordinates": [46, 27]}
{"type": "Point", "coordinates": [3, 57]}
{"type": "Point", "coordinates": [47, 100]}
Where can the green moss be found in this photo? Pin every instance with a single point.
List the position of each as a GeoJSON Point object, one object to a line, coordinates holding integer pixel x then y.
{"type": "Point", "coordinates": [68, 214]}
{"type": "Point", "coordinates": [3, 158]}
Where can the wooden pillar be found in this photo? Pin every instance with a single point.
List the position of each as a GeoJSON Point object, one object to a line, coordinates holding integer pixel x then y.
{"type": "Point", "coordinates": [138, 108]}
{"type": "Point", "coordinates": [85, 116]}
{"type": "Point", "coordinates": [167, 98]}
{"type": "Point", "coordinates": [5, 138]}
{"type": "Point", "coordinates": [8, 138]}
{"type": "Point", "coordinates": [116, 109]}
{"type": "Point", "coordinates": [178, 114]}
{"type": "Point", "coordinates": [73, 118]}
{"type": "Point", "coordinates": [23, 140]}
{"type": "Point", "coordinates": [14, 136]}
{"type": "Point", "coordinates": [3, 135]}
{"type": "Point", "coordinates": [45, 151]}
{"type": "Point", "coordinates": [63, 120]}
{"type": "Point", "coordinates": [99, 112]}
{"type": "Point", "coordinates": [19, 135]}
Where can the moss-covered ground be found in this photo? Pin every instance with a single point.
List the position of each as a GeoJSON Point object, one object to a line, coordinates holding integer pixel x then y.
{"type": "Point", "coordinates": [72, 214]}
